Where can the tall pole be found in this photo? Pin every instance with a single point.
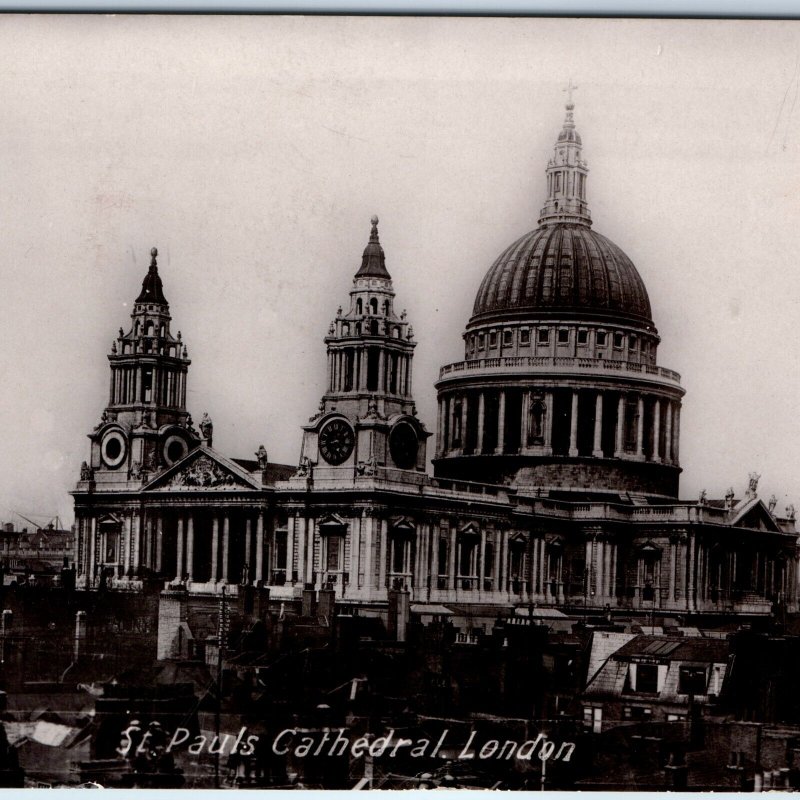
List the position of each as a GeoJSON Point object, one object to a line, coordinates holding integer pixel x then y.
{"type": "Point", "coordinates": [221, 631]}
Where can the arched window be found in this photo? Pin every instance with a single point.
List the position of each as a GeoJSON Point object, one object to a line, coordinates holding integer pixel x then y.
{"type": "Point", "coordinates": [373, 327]}
{"type": "Point", "coordinates": [345, 329]}
{"type": "Point", "coordinates": [373, 305]}
{"type": "Point", "coordinates": [137, 328]}
{"type": "Point", "coordinates": [161, 331]}
{"type": "Point", "coordinates": [359, 306]}
{"type": "Point", "coordinates": [386, 307]}
{"type": "Point", "coordinates": [149, 328]}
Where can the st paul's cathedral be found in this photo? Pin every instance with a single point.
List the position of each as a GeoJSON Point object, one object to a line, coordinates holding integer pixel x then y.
{"type": "Point", "coordinates": [556, 457]}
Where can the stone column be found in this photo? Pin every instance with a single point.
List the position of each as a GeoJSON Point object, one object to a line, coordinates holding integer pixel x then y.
{"type": "Point", "coordinates": [534, 591]}
{"type": "Point", "coordinates": [451, 569]}
{"type": "Point", "coordinates": [290, 552]}
{"type": "Point", "coordinates": [215, 548]}
{"type": "Point", "coordinates": [91, 572]}
{"type": "Point", "coordinates": [573, 426]}
{"type": "Point", "coordinates": [619, 444]}
{"type": "Point", "coordinates": [226, 547]}
{"type": "Point", "coordinates": [440, 443]}
{"type": "Point", "coordinates": [381, 370]}
{"type": "Point", "coordinates": [548, 421]}
{"type": "Point", "coordinates": [657, 430]}
{"type": "Point", "coordinates": [436, 535]}
{"type": "Point", "coordinates": [501, 423]}
{"type": "Point", "coordinates": [158, 538]}
{"type": "Point", "coordinates": [600, 576]}
{"type": "Point", "coordinates": [676, 434]}
{"type": "Point", "coordinates": [137, 541]}
{"type": "Point", "coordinates": [612, 589]}
{"type": "Point", "coordinates": [524, 419]}
{"type": "Point", "coordinates": [597, 452]}
{"type": "Point", "coordinates": [368, 547]}
{"type": "Point", "coordinates": [384, 534]}
{"type": "Point", "coordinates": [409, 375]}
{"type": "Point", "coordinates": [482, 569]}
{"type": "Point", "coordinates": [464, 405]}
{"type": "Point", "coordinates": [127, 532]}
{"type": "Point", "coordinates": [179, 551]}
{"type": "Point", "coordinates": [259, 575]}
{"type": "Point", "coordinates": [668, 434]}
{"type": "Point", "coordinates": [481, 414]}
{"type": "Point", "coordinates": [588, 577]}
{"type": "Point", "coordinates": [248, 547]}
{"type": "Point", "coordinates": [190, 545]}
{"type": "Point", "coordinates": [502, 562]}
{"type": "Point", "coordinates": [640, 428]}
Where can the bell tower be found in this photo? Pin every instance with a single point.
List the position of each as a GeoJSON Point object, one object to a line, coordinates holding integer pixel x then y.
{"type": "Point", "coordinates": [145, 426]}
{"type": "Point", "coordinates": [367, 418]}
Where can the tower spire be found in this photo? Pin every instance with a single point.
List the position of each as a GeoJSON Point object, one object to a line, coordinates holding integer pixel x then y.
{"type": "Point", "coordinates": [373, 262]}
{"type": "Point", "coordinates": [566, 174]}
{"type": "Point", "coordinates": [152, 288]}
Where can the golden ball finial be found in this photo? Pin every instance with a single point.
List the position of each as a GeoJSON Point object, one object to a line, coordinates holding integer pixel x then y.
{"type": "Point", "coordinates": [375, 219]}
{"type": "Point", "coordinates": [154, 252]}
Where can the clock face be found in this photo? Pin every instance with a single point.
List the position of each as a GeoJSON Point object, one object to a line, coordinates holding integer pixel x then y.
{"type": "Point", "coordinates": [336, 441]}
{"type": "Point", "coordinates": [403, 445]}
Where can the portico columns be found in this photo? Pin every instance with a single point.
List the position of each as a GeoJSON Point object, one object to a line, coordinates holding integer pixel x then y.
{"type": "Point", "coordinates": [451, 569]}
{"type": "Point", "coordinates": [259, 573]}
{"type": "Point", "coordinates": [179, 550]}
{"type": "Point", "coordinates": [190, 546]}
{"type": "Point", "coordinates": [158, 536]}
{"type": "Point", "coordinates": [226, 543]}
{"type": "Point", "coordinates": [248, 548]}
{"type": "Point", "coordinates": [464, 404]}
{"type": "Point", "coordinates": [597, 452]}
{"type": "Point", "coordinates": [214, 548]}
{"type": "Point", "coordinates": [525, 422]}
{"type": "Point", "coordinates": [573, 426]}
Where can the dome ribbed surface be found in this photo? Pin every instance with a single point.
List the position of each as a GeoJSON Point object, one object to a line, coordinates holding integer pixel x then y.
{"type": "Point", "coordinates": [564, 268]}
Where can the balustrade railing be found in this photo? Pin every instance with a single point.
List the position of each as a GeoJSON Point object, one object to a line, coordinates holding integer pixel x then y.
{"type": "Point", "coordinates": [572, 362]}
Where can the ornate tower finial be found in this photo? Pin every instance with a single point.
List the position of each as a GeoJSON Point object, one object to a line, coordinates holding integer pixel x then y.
{"type": "Point", "coordinates": [566, 174]}
{"type": "Point", "coordinates": [373, 262]}
{"type": "Point", "coordinates": [153, 254]}
{"type": "Point", "coordinates": [569, 89]}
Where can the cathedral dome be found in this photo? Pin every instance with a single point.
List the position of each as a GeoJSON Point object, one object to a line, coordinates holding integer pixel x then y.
{"type": "Point", "coordinates": [564, 268]}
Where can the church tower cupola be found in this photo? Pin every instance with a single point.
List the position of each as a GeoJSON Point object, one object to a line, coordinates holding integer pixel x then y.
{"type": "Point", "coordinates": [145, 426]}
{"type": "Point", "coordinates": [566, 175]}
{"type": "Point", "coordinates": [367, 415]}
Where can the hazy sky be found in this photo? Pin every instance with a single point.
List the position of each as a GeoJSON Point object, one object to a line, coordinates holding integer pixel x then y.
{"type": "Point", "coordinates": [253, 151]}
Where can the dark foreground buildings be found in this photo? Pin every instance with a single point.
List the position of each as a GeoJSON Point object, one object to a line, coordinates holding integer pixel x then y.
{"type": "Point", "coordinates": [542, 611]}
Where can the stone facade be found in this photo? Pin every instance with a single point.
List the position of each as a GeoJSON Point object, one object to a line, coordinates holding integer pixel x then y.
{"type": "Point", "coordinates": [556, 464]}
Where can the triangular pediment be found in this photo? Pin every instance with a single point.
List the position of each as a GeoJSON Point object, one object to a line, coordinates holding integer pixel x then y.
{"type": "Point", "coordinates": [109, 519]}
{"type": "Point", "coordinates": [202, 470]}
{"type": "Point", "coordinates": [755, 515]}
{"type": "Point", "coordinates": [332, 521]}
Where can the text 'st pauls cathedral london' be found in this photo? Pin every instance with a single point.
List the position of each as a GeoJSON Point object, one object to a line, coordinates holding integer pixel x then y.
{"type": "Point", "coordinates": [513, 595]}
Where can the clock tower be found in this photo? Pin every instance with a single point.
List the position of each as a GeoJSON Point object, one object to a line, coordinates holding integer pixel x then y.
{"type": "Point", "coordinates": [367, 418]}
{"type": "Point", "coordinates": [145, 426]}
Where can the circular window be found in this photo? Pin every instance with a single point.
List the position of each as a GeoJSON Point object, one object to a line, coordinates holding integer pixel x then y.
{"type": "Point", "coordinates": [175, 448]}
{"type": "Point", "coordinates": [113, 449]}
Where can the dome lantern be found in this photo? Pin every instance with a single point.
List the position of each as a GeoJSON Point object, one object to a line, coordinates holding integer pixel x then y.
{"type": "Point", "coordinates": [566, 175]}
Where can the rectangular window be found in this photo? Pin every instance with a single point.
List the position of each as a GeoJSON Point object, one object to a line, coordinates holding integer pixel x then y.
{"type": "Point", "coordinates": [618, 340]}
{"type": "Point", "coordinates": [334, 548]}
{"type": "Point", "coordinates": [632, 342]}
{"type": "Point", "coordinates": [493, 339]}
{"type": "Point", "coordinates": [646, 678]}
{"type": "Point", "coordinates": [601, 338]}
{"type": "Point", "coordinates": [583, 337]}
{"type": "Point", "coordinates": [563, 335]}
{"type": "Point", "coordinates": [481, 340]}
{"type": "Point", "coordinates": [524, 336]}
{"type": "Point", "coordinates": [692, 680]}
{"type": "Point", "coordinates": [544, 335]}
{"type": "Point", "coordinates": [508, 337]}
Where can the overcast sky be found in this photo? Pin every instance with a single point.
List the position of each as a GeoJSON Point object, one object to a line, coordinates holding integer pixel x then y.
{"type": "Point", "coordinates": [253, 151]}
